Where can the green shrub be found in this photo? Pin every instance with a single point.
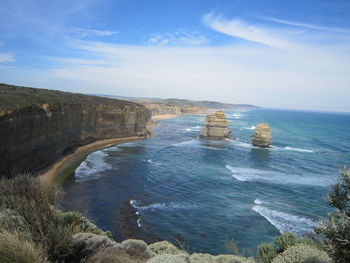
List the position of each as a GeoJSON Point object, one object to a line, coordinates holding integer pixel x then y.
{"type": "Point", "coordinates": [81, 223]}
{"type": "Point", "coordinates": [136, 248]}
{"type": "Point", "coordinates": [34, 201]}
{"type": "Point", "coordinates": [336, 229]}
{"type": "Point", "coordinates": [284, 241]}
{"type": "Point", "coordinates": [302, 253]}
{"type": "Point", "coordinates": [87, 244]}
{"type": "Point", "coordinates": [165, 258]}
{"type": "Point", "coordinates": [164, 247]}
{"type": "Point", "coordinates": [112, 255]}
{"type": "Point", "coordinates": [12, 222]}
{"type": "Point", "coordinates": [266, 253]}
{"type": "Point", "coordinates": [15, 250]}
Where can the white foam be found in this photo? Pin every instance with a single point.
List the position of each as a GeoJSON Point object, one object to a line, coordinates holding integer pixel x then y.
{"type": "Point", "coordinates": [258, 202]}
{"type": "Point", "coordinates": [138, 222]}
{"type": "Point", "coordinates": [195, 143]}
{"type": "Point", "coordinates": [255, 175]}
{"type": "Point", "coordinates": [147, 160]}
{"type": "Point", "coordinates": [298, 149]}
{"type": "Point", "coordinates": [285, 222]}
{"type": "Point", "coordinates": [249, 128]}
{"type": "Point", "coordinates": [91, 168]}
{"type": "Point", "coordinates": [193, 129]}
{"type": "Point", "coordinates": [237, 115]}
{"type": "Point", "coordinates": [162, 206]}
{"type": "Point", "coordinates": [239, 143]}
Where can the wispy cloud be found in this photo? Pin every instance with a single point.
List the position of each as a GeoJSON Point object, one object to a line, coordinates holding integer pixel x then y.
{"type": "Point", "coordinates": [240, 29]}
{"type": "Point", "coordinates": [7, 57]}
{"type": "Point", "coordinates": [84, 32]}
{"type": "Point", "coordinates": [178, 39]}
{"type": "Point", "coordinates": [309, 26]}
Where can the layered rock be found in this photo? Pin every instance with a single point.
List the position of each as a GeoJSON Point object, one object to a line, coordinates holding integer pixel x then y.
{"type": "Point", "coordinates": [158, 109]}
{"type": "Point", "coordinates": [37, 126]}
{"type": "Point", "coordinates": [216, 126]}
{"type": "Point", "coordinates": [262, 136]}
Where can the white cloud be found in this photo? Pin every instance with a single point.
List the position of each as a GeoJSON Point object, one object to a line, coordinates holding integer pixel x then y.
{"type": "Point", "coordinates": [309, 26]}
{"type": "Point", "coordinates": [178, 39]}
{"type": "Point", "coordinates": [7, 57]}
{"type": "Point", "coordinates": [240, 29]}
{"type": "Point", "coordinates": [84, 32]}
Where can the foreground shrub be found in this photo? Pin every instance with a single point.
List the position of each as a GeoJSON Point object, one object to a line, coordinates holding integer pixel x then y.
{"type": "Point", "coordinates": [136, 248]}
{"type": "Point", "coordinates": [81, 223]}
{"type": "Point", "coordinates": [266, 253]}
{"type": "Point", "coordinates": [302, 254]}
{"type": "Point", "coordinates": [15, 250]}
{"type": "Point", "coordinates": [165, 258]}
{"type": "Point", "coordinates": [87, 244]}
{"type": "Point", "coordinates": [113, 255]}
{"type": "Point", "coordinates": [164, 247]}
{"type": "Point", "coordinates": [336, 229]}
{"type": "Point", "coordinates": [284, 241]}
{"type": "Point", "coordinates": [34, 201]}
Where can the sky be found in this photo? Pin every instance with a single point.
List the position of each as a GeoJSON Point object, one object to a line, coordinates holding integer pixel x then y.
{"type": "Point", "coordinates": [270, 53]}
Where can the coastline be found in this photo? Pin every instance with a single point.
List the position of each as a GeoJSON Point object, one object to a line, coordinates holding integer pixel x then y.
{"type": "Point", "coordinates": [164, 117]}
{"type": "Point", "coordinates": [69, 162]}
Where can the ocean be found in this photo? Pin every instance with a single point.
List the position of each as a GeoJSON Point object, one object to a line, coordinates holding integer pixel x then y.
{"type": "Point", "coordinates": [201, 194]}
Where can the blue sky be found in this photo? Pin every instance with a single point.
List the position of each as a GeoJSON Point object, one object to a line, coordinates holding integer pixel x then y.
{"type": "Point", "coordinates": [282, 54]}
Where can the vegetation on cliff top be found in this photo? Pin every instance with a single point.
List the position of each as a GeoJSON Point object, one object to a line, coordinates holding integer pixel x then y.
{"type": "Point", "coordinates": [16, 97]}
{"type": "Point", "coordinates": [32, 229]}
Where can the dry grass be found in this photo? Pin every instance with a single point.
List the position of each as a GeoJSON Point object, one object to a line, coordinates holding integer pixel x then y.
{"type": "Point", "coordinates": [15, 250]}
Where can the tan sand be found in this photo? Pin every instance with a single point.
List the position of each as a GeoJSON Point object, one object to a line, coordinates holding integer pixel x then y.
{"type": "Point", "coordinates": [163, 117]}
{"type": "Point", "coordinates": [50, 174]}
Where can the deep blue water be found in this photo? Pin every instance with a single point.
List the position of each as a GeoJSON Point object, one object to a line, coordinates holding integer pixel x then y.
{"type": "Point", "coordinates": [204, 193]}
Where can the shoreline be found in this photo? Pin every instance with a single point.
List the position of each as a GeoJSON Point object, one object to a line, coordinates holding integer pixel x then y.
{"type": "Point", "coordinates": [164, 117]}
{"type": "Point", "coordinates": [52, 173]}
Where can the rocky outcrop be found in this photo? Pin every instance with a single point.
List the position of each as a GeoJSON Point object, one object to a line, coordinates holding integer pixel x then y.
{"type": "Point", "coordinates": [262, 136]}
{"type": "Point", "coordinates": [216, 126]}
{"type": "Point", "coordinates": [37, 126]}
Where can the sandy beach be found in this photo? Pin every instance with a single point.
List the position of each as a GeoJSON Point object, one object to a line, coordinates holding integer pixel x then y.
{"type": "Point", "coordinates": [163, 117]}
{"type": "Point", "coordinates": [51, 173]}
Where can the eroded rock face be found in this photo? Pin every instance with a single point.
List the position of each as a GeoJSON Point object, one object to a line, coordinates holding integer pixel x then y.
{"type": "Point", "coordinates": [262, 136]}
{"type": "Point", "coordinates": [216, 126]}
{"type": "Point", "coordinates": [38, 126]}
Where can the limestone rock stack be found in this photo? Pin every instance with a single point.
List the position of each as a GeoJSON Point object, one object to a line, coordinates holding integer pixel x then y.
{"type": "Point", "coordinates": [216, 126]}
{"type": "Point", "coordinates": [262, 136]}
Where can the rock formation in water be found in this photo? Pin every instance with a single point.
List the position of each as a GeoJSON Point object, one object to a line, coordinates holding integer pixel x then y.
{"type": "Point", "coordinates": [37, 126]}
{"type": "Point", "coordinates": [216, 126]}
{"type": "Point", "coordinates": [262, 136]}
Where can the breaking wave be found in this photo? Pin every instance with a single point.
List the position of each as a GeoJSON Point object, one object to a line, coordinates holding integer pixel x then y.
{"type": "Point", "coordinates": [162, 206]}
{"type": "Point", "coordinates": [249, 128]}
{"type": "Point", "coordinates": [274, 177]}
{"type": "Point", "coordinates": [285, 222]}
{"type": "Point", "coordinates": [298, 149]}
{"type": "Point", "coordinates": [92, 167]}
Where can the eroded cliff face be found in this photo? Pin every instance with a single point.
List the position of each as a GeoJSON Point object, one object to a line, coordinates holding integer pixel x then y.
{"type": "Point", "coordinates": [38, 126]}
{"type": "Point", "coordinates": [178, 110]}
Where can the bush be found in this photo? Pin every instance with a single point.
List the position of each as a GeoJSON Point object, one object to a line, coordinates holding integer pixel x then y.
{"type": "Point", "coordinates": [15, 250]}
{"type": "Point", "coordinates": [112, 255]}
{"type": "Point", "coordinates": [164, 247]}
{"type": "Point", "coordinates": [266, 253]}
{"type": "Point", "coordinates": [302, 254]}
{"type": "Point", "coordinates": [136, 248]}
{"type": "Point", "coordinates": [34, 201]}
{"type": "Point", "coordinates": [284, 241]}
{"type": "Point", "coordinates": [81, 223]}
{"type": "Point", "coordinates": [336, 229]}
{"type": "Point", "coordinates": [87, 244]}
{"type": "Point", "coordinates": [165, 258]}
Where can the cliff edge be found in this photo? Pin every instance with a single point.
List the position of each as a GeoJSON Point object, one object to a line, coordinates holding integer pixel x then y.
{"type": "Point", "coordinates": [37, 125]}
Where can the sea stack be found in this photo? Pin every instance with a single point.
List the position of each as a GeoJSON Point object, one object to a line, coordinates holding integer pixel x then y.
{"type": "Point", "coordinates": [216, 126]}
{"type": "Point", "coordinates": [262, 136]}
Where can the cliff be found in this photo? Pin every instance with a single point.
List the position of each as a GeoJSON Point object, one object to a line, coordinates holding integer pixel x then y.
{"type": "Point", "coordinates": [173, 109]}
{"type": "Point", "coordinates": [216, 126]}
{"type": "Point", "coordinates": [37, 126]}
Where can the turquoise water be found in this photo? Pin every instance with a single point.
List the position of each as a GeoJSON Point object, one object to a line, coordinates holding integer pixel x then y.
{"type": "Point", "coordinates": [204, 193]}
